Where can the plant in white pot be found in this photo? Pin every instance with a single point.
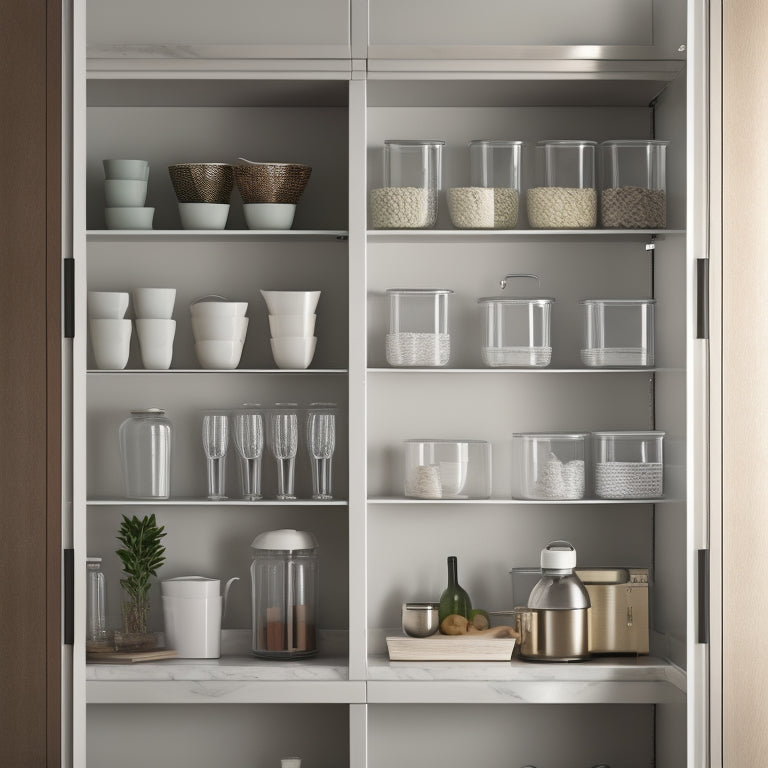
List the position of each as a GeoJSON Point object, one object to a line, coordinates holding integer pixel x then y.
{"type": "Point", "coordinates": [141, 554]}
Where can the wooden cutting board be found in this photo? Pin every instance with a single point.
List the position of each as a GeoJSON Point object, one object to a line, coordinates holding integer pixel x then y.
{"type": "Point", "coordinates": [129, 657]}
{"type": "Point", "coordinates": [450, 648]}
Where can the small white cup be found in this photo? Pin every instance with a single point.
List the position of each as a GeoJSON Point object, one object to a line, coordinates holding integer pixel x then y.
{"type": "Point", "coordinates": [292, 325]}
{"type": "Point", "coordinates": [131, 193]}
{"type": "Point", "coordinates": [156, 342]}
{"type": "Point", "coordinates": [107, 304]}
{"type": "Point", "coordinates": [219, 328]}
{"type": "Point", "coordinates": [193, 626]}
{"type": "Point", "coordinates": [269, 215]}
{"type": "Point", "coordinates": [293, 351]}
{"type": "Point", "coordinates": [126, 169]}
{"type": "Point", "coordinates": [224, 355]}
{"type": "Point", "coordinates": [203, 215]}
{"type": "Point", "coordinates": [197, 587]}
{"type": "Point", "coordinates": [291, 302]}
{"type": "Point", "coordinates": [154, 303]}
{"type": "Point", "coordinates": [111, 342]}
{"type": "Point", "coordinates": [128, 217]}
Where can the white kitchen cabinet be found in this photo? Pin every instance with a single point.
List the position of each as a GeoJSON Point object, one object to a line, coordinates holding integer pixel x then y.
{"type": "Point", "coordinates": [350, 705]}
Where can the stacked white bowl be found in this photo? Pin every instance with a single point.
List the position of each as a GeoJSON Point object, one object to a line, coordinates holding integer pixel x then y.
{"type": "Point", "coordinates": [292, 326]}
{"type": "Point", "coordinates": [108, 328]}
{"type": "Point", "coordinates": [153, 308]}
{"type": "Point", "coordinates": [219, 327]}
{"type": "Point", "coordinates": [125, 192]}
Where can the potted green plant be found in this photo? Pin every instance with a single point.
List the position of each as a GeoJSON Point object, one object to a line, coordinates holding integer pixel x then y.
{"type": "Point", "coordinates": [141, 554]}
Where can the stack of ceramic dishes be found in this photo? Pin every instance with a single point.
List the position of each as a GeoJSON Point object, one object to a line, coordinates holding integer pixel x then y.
{"type": "Point", "coordinates": [270, 192]}
{"type": "Point", "coordinates": [125, 192]}
{"type": "Point", "coordinates": [203, 191]}
{"type": "Point", "coordinates": [292, 326]}
{"type": "Point", "coordinates": [110, 332]}
{"type": "Point", "coordinates": [219, 327]}
{"type": "Point", "coordinates": [153, 308]}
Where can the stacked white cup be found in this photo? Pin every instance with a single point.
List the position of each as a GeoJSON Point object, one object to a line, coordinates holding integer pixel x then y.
{"type": "Point", "coordinates": [292, 325]}
{"type": "Point", "coordinates": [125, 192]}
{"type": "Point", "coordinates": [110, 332]}
{"type": "Point", "coordinates": [153, 308]}
{"type": "Point", "coordinates": [219, 327]}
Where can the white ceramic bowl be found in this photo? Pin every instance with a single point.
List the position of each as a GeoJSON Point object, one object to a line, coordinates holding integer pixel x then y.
{"type": "Point", "coordinates": [223, 355]}
{"type": "Point", "coordinates": [125, 193]}
{"type": "Point", "coordinates": [203, 215]}
{"type": "Point", "coordinates": [293, 351]}
{"type": "Point", "coordinates": [292, 325]}
{"type": "Point", "coordinates": [153, 303]}
{"type": "Point", "coordinates": [126, 169]}
{"type": "Point", "coordinates": [269, 215]}
{"type": "Point", "coordinates": [219, 328]}
{"type": "Point", "coordinates": [107, 304]}
{"type": "Point", "coordinates": [218, 309]}
{"type": "Point", "coordinates": [291, 302]}
{"type": "Point", "coordinates": [129, 218]}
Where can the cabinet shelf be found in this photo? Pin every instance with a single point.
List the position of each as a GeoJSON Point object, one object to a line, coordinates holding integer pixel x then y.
{"type": "Point", "coordinates": [382, 500]}
{"type": "Point", "coordinates": [198, 502]}
{"type": "Point", "coordinates": [215, 371]}
{"type": "Point", "coordinates": [498, 371]}
{"type": "Point", "coordinates": [479, 235]}
{"type": "Point", "coordinates": [216, 235]}
{"type": "Point", "coordinates": [639, 680]}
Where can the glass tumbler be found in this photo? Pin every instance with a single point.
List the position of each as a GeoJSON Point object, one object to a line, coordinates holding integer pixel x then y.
{"type": "Point", "coordinates": [321, 443]}
{"type": "Point", "coordinates": [215, 444]}
{"type": "Point", "coordinates": [96, 609]}
{"type": "Point", "coordinates": [248, 437]}
{"type": "Point", "coordinates": [145, 450]}
{"type": "Point", "coordinates": [284, 444]}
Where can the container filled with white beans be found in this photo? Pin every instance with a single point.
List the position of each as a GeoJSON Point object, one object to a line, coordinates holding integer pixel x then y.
{"type": "Point", "coordinates": [628, 465]}
{"type": "Point", "coordinates": [548, 465]}
{"type": "Point", "coordinates": [418, 327]}
{"type": "Point", "coordinates": [412, 179]}
{"type": "Point", "coordinates": [447, 469]}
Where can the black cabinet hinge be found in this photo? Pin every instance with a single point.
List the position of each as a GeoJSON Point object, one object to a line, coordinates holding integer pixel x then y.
{"type": "Point", "coordinates": [69, 298]}
{"type": "Point", "coordinates": [702, 298]}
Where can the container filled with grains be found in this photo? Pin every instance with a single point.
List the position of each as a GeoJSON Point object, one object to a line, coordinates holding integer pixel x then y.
{"type": "Point", "coordinates": [447, 469]}
{"type": "Point", "coordinates": [618, 333]}
{"type": "Point", "coordinates": [628, 465]}
{"type": "Point", "coordinates": [565, 194]}
{"type": "Point", "coordinates": [492, 199]}
{"type": "Point", "coordinates": [548, 465]}
{"type": "Point", "coordinates": [412, 179]}
{"type": "Point", "coordinates": [633, 188]}
{"type": "Point", "coordinates": [418, 327]}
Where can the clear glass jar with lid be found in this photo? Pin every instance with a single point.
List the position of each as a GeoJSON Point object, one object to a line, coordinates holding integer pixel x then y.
{"type": "Point", "coordinates": [145, 449]}
{"type": "Point", "coordinates": [549, 465]}
{"type": "Point", "coordinates": [618, 333]}
{"type": "Point", "coordinates": [412, 181]}
{"type": "Point", "coordinates": [628, 465]}
{"type": "Point", "coordinates": [418, 327]}
{"type": "Point", "coordinates": [633, 192]}
{"type": "Point", "coordinates": [565, 191]}
{"type": "Point", "coordinates": [96, 634]}
{"type": "Point", "coordinates": [491, 201]}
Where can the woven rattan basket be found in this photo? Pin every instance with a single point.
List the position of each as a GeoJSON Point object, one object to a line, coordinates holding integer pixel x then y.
{"type": "Point", "coordinates": [202, 182]}
{"type": "Point", "coordinates": [271, 182]}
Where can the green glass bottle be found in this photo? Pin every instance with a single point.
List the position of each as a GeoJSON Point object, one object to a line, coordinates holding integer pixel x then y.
{"type": "Point", "coordinates": [454, 599]}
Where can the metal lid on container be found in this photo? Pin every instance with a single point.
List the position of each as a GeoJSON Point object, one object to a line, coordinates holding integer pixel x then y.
{"type": "Point", "coordinates": [497, 142]}
{"type": "Point", "coordinates": [630, 433]}
{"type": "Point", "coordinates": [618, 302]}
{"type": "Point", "coordinates": [634, 143]}
{"type": "Point", "coordinates": [414, 142]}
{"type": "Point", "coordinates": [551, 435]}
{"type": "Point", "coordinates": [284, 539]}
{"type": "Point", "coordinates": [510, 300]}
{"type": "Point", "coordinates": [567, 143]}
{"type": "Point", "coordinates": [148, 411]}
{"type": "Point", "coordinates": [420, 291]}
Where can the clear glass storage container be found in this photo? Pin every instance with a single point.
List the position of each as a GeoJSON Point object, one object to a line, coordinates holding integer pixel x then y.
{"type": "Point", "coordinates": [412, 180]}
{"type": "Point", "coordinates": [447, 469]}
{"type": "Point", "coordinates": [548, 465]}
{"type": "Point", "coordinates": [418, 327]}
{"type": "Point", "coordinates": [97, 634]}
{"type": "Point", "coordinates": [618, 333]}
{"type": "Point", "coordinates": [145, 450]}
{"type": "Point", "coordinates": [565, 193]}
{"type": "Point", "coordinates": [628, 465]}
{"type": "Point", "coordinates": [491, 201]}
{"type": "Point", "coordinates": [633, 192]}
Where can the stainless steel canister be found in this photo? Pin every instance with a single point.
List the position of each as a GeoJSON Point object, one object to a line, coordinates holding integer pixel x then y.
{"type": "Point", "coordinates": [553, 635]}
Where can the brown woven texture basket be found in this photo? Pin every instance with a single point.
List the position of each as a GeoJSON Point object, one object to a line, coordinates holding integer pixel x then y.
{"type": "Point", "coordinates": [201, 182]}
{"type": "Point", "coordinates": [272, 182]}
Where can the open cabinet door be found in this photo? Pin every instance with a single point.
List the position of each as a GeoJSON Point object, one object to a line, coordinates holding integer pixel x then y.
{"type": "Point", "coordinates": [30, 384]}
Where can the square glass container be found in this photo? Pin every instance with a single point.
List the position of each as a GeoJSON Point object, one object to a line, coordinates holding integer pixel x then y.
{"type": "Point", "coordinates": [418, 327]}
{"type": "Point", "coordinates": [565, 192]}
{"type": "Point", "coordinates": [548, 465]}
{"type": "Point", "coordinates": [492, 200]}
{"type": "Point", "coordinates": [633, 184]}
{"type": "Point", "coordinates": [447, 469]}
{"type": "Point", "coordinates": [516, 332]}
{"type": "Point", "coordinates": [618, 333]}
{"type": "Point", "coordinates": [628, 465]}
{"type": "Point", "coordinates": [412, 180]}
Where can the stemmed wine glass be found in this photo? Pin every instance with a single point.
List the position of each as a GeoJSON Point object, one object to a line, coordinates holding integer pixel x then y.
{"type": "Point", "coordinates": [215, 443]}
{"type": "Point", "coordinates": [321, 442]}
{"type": "Point", "coordinates": [284, 443]}
{"type": "Point", "coordinates": [248, 437]}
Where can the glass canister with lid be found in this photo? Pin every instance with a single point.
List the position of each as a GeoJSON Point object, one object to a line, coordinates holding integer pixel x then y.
{"type": "Point", "coordinates": [629, 465]}
{"type": "Point", "coordinates": [618, 333]}
{"type": "Point", "coordinates": [412, 181]}
{"type": "Point", "coordinates": [492, 199]}
{"type": "Point", "coordinates": [145, 450]}
{"type": "Point", "coordinates": [418, 327]}
{"type": "Point", "coordinates": [565, 192]}
{"type": "Point", "coordinates": [549, 465]}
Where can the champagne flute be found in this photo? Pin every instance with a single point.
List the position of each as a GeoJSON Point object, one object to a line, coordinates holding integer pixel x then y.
{"type": "Point", "coordinates": [321, 442]}
{"type": "Point", "coordinates": [215, 443]}
{"type": "Point", "coordinates": [248, 437]}
{"type": "Point", "coordinates": [284, 443]}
